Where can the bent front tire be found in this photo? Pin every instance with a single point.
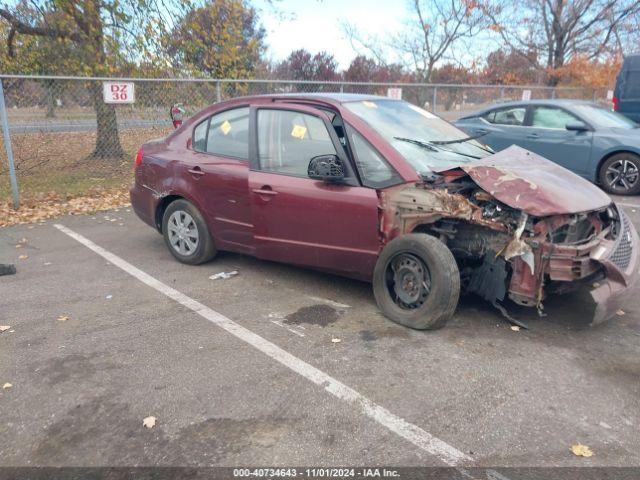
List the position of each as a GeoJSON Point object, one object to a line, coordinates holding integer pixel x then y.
{"type": "Point", "coordinates": [416, 282]}
{"type": "Point", "coordinates": [186, 234]}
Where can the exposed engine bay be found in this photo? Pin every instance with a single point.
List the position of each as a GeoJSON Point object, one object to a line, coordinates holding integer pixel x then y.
{"type": "Point", "coordinates": [503, 252]}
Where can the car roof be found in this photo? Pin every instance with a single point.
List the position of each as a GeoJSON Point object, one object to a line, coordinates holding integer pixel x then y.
{"type": "Point", "coordinates": [329, 97]}
{"type": "Point", "coordinates": [562, 102]}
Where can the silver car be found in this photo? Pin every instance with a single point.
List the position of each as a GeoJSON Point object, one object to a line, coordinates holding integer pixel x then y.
{"type": "Point", "coordinates": [594, 142]}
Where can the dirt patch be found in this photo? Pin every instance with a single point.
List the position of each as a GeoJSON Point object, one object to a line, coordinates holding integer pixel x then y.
{"type": "Point", "coordinates": [320, 315]}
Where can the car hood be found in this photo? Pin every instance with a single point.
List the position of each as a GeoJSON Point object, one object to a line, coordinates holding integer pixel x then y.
{"type": "Point", "coordinates": [531, 183]}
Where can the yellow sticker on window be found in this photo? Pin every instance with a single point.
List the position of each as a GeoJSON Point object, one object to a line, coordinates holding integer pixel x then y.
{"type": "Point", "coordinates": [369, 104]}
{"type": "Point", "coordinates": [225, 127]}
{"type": "Point", "coordinates": [299, 131]}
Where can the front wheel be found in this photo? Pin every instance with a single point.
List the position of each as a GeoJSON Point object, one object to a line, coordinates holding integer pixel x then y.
{"type": "Point", "coordinates": [186, 234]}
{"type": "Point", "coordinates": [416, 282]}
{"type": "Point", "coordinates": [620, 174]}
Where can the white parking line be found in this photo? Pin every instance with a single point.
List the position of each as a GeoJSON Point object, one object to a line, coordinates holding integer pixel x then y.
{"type": "Point", "coordinates": [414, 434]}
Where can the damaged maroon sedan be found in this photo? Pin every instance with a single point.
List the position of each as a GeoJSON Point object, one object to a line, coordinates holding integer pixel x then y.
{"type": "Point", "coordinates": [383, 191]}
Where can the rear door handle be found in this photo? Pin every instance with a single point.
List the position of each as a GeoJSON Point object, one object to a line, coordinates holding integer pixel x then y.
{"type": "Point", "coordinates": [196, 171]}
{"type": "Point", "coordinates": [533, 135]}
{"type": "Point", "coordinates": [482, 130]}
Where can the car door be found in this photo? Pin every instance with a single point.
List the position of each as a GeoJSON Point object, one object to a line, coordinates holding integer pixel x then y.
{"type": "Point", "coordinates": [548, 136]}
{"type": "Point", "coordinates": [330, 226]}
{"type": "Point", "coordinates": [501, 127]}
{"type": "Point", "coordinates": [218, 171]}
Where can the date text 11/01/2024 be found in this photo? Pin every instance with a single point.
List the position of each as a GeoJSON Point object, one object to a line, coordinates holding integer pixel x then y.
{"type": "Point", "coordinates": [316, 473]}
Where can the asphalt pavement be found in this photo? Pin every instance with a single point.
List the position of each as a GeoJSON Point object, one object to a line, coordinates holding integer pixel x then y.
{"type": "Point", "coordinates": [279, 365]}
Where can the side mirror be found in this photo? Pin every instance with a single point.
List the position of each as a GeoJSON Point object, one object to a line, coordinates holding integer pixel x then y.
{"type": "Point", "coordinates": [328, 168]}
{"type": "Point", "coordinates": [576, 126]}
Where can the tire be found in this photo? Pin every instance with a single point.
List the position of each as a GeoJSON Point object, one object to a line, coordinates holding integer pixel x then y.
{"type": "Point", "coordinates": [180, 219]}
{"type": "Point", "coordinates": [405, 258]}
{"type": "Point", "coordinates": [623, 169]}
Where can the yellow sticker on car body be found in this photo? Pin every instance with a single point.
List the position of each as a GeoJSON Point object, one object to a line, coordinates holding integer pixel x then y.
{"type": "Point", "coordinates": [299, 131]}
{"type": "Point", "coordinates": [225, 127]}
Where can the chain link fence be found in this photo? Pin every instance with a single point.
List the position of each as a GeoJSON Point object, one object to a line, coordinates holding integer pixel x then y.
{"type": "Point", "coordinates": [68, 142]}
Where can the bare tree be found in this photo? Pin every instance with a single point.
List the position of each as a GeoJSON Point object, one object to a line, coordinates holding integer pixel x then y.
{"type": "Point", "coordinates": [431, 34]}
{"type": "Point", "coordinates": [105, 32]}
{"type": "Point", "coordinates": [560, 30]}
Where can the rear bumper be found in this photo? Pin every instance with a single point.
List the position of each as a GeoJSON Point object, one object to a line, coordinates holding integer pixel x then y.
{"type": "Point", "coordinates": [144, 203]}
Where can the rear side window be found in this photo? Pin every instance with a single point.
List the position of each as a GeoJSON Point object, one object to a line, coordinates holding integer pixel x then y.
{"type": "Point", "coordinates": [225, 134]}
{"type": "Point", "coordinates": [550, 117]}
{"type": "Point", "coordinates": [288, 140]}
{"type": "Point", "coordinates": [507, 116]}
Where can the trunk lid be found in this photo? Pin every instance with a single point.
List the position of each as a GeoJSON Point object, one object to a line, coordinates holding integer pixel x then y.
{"type": "Point", "coordinates": [531, 183]}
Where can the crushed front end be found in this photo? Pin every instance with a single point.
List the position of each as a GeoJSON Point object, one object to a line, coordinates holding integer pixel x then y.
{"type": "Point", "coordinates": [523, 254]}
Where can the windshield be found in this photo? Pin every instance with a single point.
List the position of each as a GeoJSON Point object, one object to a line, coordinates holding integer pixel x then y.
{"type": "Point", "coordinates": [422, 138]}
{"type": "Point", "coordinates": [602, 118]}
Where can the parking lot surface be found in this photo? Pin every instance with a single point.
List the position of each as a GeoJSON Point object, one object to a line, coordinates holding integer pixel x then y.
{"type": "Point", "coordinates": [480, 392]}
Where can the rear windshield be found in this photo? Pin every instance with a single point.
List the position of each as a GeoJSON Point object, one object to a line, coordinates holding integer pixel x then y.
{"type": "Point", "coordinates": [602, 118]}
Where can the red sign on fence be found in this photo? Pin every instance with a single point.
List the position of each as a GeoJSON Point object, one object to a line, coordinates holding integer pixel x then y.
{"type": "Point", "coordinates": [118, 92]}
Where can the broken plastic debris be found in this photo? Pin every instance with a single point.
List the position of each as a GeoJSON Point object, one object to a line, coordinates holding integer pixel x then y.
{"type": "Point", "coordinates": [63, 318]}
{"type": "Point", "coordinates": [620, 312]}
{"type": "Point", "coordinates": [6, 385]}
{"type": "Point", "coordinates": [149, 422]}
{"type": "Point", "coordinates": [581, 450]}
{"type": "Point", "coordinates": [109, 297]}
{"type": "Point", "coordinates": [335, 340]}
{"type": "Point", "coordinates": [224, 275]}
{"type": "Point", "coordinates": [23, 257]}
{"type": "Point", "coordinates": [515, 328]}
{"type": "Point", "coordinates": [4, 328]}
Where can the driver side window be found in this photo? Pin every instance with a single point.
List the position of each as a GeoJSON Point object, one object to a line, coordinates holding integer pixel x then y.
{"type": "Point", "coordinates": [288, 140]}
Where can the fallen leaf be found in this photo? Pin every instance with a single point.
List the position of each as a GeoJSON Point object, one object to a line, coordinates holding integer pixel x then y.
{"type": "Point", "coordinates": [6, 385]}
{"type": "Point", "coordinates": [149, 422]}
{"type": "Point", "coordinates": [620, 312]}
{"type": "Point", "coordinates": [19, 245]}
{"type": "Point", "coordinates": [23, 257]}
{"type": "Point", "coordinates": [515, 328]}
{"type": "Point", "coordinates": [63, 318]}
{"type": "Point", "coordinates": [335, 340]}
{"type": "Point", "coordinates": [580, 450]}
{"type": "Point", "coordinates": [4, 328]}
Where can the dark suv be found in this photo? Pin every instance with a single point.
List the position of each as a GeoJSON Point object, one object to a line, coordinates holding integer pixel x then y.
{"type": "Point", "coordinates": [626, 96]}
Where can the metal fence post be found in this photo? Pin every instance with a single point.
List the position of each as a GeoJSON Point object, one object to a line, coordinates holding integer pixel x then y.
{"type": "Point", "coordinates": [7, 146]}
{"type": "Point", "coordinates": [218, 92]}
{"type": "Point", "coordinates": [435, 98]}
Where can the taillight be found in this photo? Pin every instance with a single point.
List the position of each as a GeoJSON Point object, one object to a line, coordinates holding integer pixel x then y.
{"type": "Point", "coordinates": [138, 158]}
{"type": "Point", "coordinates": [614, 100]}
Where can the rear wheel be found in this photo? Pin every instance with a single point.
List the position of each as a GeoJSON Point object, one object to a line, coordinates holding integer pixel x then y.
{"type": "Point", "coordinates": [186, 234]}
{"type": "Point", "coordinates": [416, 282]}
{"type": "Point", "coordinates": [620, 174]}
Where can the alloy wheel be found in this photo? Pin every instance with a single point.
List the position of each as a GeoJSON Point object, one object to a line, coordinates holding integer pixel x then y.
{"type": "Point", "coordinates": [183, 233]}
{"type": "Point", "coordinates": [622, 175]}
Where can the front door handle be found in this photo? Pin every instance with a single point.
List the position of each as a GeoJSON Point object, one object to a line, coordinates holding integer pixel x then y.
{"type": "Point", "coordinates": [482, 130]}
{"type": "Point", "coordinates": [196, 172]}
{"type": "Point", "coordinates": [265, 190]}
{"type": "Point", "coordinates": [533, 135]}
